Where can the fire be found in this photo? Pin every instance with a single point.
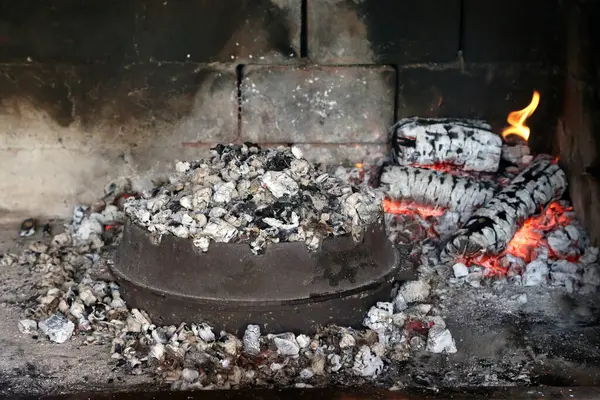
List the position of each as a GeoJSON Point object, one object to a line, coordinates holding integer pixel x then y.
{"type": "Point", "coordinates": [530, 236]}
{"type": "Point", "coordinates": [517, 119]}
{"type": "Point", "coordinates": [359, 165]}
{"type": "Point", "coordinates": [534, 229]}
{"type": "Point", "coordinates": [411, 208]}
{"type": "Point", "coordinates": [441, 167]}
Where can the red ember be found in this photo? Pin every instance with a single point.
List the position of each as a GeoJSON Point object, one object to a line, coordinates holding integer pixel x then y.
{"type": "Point", "coordinates": [411, 208]}
{"type": "Point", "coordinates": [530, 236]}
{"type": "Point", "coordinates": [442, 167]}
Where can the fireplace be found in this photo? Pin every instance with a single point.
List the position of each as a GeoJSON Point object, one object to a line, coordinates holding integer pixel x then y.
{"type": "Point", "coordinates": [404, 194]}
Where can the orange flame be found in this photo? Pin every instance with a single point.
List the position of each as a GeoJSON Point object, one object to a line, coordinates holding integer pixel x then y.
{"type": "Point", "coordinates": [359, 165]}
{"type": "Point", "coordinates": [411, 208]}
{"type": "Point", "coordinates": [517, 119]}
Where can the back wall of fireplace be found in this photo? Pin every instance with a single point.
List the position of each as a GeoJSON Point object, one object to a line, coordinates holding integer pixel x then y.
{"type": "Point", "coordinates": [94, 90]}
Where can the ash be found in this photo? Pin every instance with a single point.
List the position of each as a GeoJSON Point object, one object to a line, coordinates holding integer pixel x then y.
{"type": "Point", "coordinates": [245, 194]}
{"type": "Point", "coordinates": [75, 298]}
{"type": "Point", "coordinates": [76, 301]}
{"type": "Point", "coordinates": [454, 326]}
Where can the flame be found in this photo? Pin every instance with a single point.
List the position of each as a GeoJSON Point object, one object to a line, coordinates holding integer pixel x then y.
{"type": "Point", "coordinates": [359, 165]}
{"type": "Point", "coordinates": [528, 238]}
{"type": "Point", "coordinates": [411, 208]}
{"type": "Point", "coordinates": [517, 119]}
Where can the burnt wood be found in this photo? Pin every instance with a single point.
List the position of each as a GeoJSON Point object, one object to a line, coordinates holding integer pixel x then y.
{"type": "Point", "coordinates": [490, 229]}
{"type": "Point", "coordinates": [462, 143]}
{"type": "Point", "coordinates": [429, 187]}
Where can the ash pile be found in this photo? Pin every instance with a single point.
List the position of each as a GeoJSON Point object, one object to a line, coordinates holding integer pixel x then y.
{"type": "Point", "coordinates": [245, 194]}
{"type": "Point", "coordinates": [484, 214]}
{"type": "Point", "coordinates": [75, 299]}
{"type": "Point", "coordinates": [485, 207]}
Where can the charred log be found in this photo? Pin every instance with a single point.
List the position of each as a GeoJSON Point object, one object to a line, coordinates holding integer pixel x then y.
{"type": "Point", "coordinates": [463, 143]}
{"type": "Point", "coordinates": [429, 187]}
{"type": "Point", "coordinates": [490, 229]}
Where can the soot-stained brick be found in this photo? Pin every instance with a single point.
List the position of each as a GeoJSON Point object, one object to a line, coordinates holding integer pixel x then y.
{"type": "Point", "coordinates": [44, 88]}
{"type": "Point", "coordinates": [486, 92]}
{"type": "Point", "coordinates": [76, 31]}
{"type": "Point", "coordinates": [383, 31]}
{"type": "Point", "coordinates": [512, 30]}
{"type": "Point", "coordinates": [117, 31]}
{"type": "Point", "coordinates": [218, 31]}
{"type": "Point", "coordinates": [317, 104]}
{"type": "Point", "coordinates": [143, 104]}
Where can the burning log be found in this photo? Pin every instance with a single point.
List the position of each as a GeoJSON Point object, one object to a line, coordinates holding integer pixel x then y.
{"type": "Point", "coordinates": [491, 228]}
{"type": "Point", "coordinates": [429, 187]}
{"type": "Point", "coordinates": [462, 143]}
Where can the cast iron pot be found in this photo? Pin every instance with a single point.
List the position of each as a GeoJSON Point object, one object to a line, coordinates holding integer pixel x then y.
{"type": "Point", "coordinates": [288, 288]}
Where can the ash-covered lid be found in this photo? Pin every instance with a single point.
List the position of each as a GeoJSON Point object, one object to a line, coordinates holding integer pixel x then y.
{"type": "Point", "coordinates": [245, 194]}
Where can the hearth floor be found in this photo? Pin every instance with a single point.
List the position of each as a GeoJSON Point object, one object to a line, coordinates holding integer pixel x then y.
{"type": "Point", "coordinates": [551, 339]}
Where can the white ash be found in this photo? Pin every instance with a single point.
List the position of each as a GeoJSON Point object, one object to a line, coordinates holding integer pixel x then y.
{"type": "Point", "coordinates": [175, 353]}
{"type": "Point", "coordinates": [466, 144]}
{"type": "Point", "coordinates": [189, 375]}
{"type": "Point", "coordinates": [367, 364]}
{"type": "Point", "coordinates": [244, 194]}
{"type": "Point", "coordinates": [522, 298]}
{"type": "Point", "coordinates": [518, 154]}
{"type": "Point", "coordinates": [440, 340]}
{"type": "Point", "coordinates": [347, 341]}
{"type": "Point", "coordinates": [429, 187]}
{"type": "Point", "coordinates": [460, 270]}
{"type": "Point", "coordinates": [169, 351]}
{"type": "Point", "coordinates": [252, 339]}
{"type": "Point", "coordinates": [28, 326]}
{"type": "Point", "coordinates": [303, 341]}
{"type": "Point", "coordinates": [414, 291]}
{"type": "Point", "coordinates": [566, 274]}
{"type": "Point", "coordinates": [491, 227]}
{"type": "Point", "coordinates": [400, 303]}
{"type": "Point", "coordinates": [536, 273]}
{"type": "Point", "coordinates": [58, 328]}
{"type": "Point", "coordinates": [379, 319]}
{"type": "Point", "coordinates": [474, 278]}
{"type": "Point", "coordinates": [563, 241]}
{"type": "Point", "coordinates": [286, 344]}
{"type": "Point", "coordinates": [280, 184]}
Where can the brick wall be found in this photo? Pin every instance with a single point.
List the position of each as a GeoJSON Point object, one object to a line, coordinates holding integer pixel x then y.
{"type": "Point", "coordinates": [93, 90]}
{"type": "Point", "coordinates": [578, 134]}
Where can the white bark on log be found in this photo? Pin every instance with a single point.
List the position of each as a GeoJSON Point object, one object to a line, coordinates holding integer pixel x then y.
{"type": "Point", "coordinates": [464, 143]}
{"type": "Point", "coordinates": [429, 187]}
{"type": "Point", "coordinates": [490, 229]}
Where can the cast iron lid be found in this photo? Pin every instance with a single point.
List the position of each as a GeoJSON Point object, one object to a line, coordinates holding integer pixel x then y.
{"type": "Point", "coordinates": [228, 271]}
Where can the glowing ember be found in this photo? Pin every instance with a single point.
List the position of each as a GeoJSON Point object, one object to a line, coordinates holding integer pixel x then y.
{"type": "Point", "coordinates": [517, 119]}
{"type": "Point", "coordinates": [529, 237]}
{"type": "Point", "coordinates": [411, 208]}
{"type": "Point", "coordinates": [442, 167]}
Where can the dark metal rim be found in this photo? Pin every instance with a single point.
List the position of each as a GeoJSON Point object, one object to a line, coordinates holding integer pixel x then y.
{"type": "Point", "coordinates": [271, 305]}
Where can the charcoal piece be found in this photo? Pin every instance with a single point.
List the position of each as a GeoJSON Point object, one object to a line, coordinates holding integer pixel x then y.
{"type": "Point", "coordinates": [429, 187]}
{"type": "Point", "coordinates": [279, 162]}
{"type": "Point", "coordinates": [219, 148]}
{"type": "Point", "coordinates": [28, 227]}
{"type": "Point", "coordinates": [175, 206]}
{"type": "Point", "coordinates": [466, 144]}
{"type": "Point", "coordinates": [490, 229]}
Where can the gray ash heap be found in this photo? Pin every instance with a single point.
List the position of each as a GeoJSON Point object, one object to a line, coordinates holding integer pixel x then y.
{"type": "Point", "coordinates": [245, 194]}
